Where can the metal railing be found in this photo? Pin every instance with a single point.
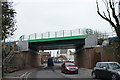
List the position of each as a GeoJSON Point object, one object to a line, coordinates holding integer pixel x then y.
{"type": "Point", "coordinates": [62, 33]}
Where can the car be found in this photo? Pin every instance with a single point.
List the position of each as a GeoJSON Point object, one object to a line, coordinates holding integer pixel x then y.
{"type": "Point", "coordinates": [71, 60]}
{"type": "Point", "coordinates": [106, 70]}
{"type": "Point", "coordinates": [69, 67]}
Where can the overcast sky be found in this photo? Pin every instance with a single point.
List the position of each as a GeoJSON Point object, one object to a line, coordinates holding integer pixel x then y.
{"type": "Point", "coordinates": [37, 16]}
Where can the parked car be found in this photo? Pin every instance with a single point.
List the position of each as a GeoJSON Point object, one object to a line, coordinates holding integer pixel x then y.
{"type": "Point", "coordinates": [71, 60]}
{"type": "Point", "coordinates": [69, 67]}
{"type": "Point", "coordinates": [106, 70]}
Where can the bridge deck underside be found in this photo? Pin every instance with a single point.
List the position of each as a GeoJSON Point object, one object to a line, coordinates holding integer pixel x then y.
{"type": "Point", "coordinates": [58, 44]}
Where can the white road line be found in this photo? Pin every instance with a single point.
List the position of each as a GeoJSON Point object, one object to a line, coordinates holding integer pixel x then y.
{"type": "Point", "coordinates": [23, 75]}
{"type": "Point", "coordinates": [11, 77]}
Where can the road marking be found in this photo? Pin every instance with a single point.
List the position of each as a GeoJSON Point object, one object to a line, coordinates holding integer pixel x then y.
{"type": "Point", "coordinates": [22, 76]}
{"type": "Point", "coordinates": [26, 76]}
{"type": "Point", "coordinates": [11, 77]}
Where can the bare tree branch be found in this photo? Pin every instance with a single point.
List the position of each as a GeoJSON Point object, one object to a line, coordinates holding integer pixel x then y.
{"type": "Point", "coordinates": [107, 7]}
{"type": "Point", "coordinates": [112, 2]}
{"type": "Point", "coordinates": [113, 12]}
{"type": "Point", "coordinates": [104, 14]}
{"type": "Point", "coordinates": [104, 17]}
{"type": "Point", "coordinates": [110, 6]}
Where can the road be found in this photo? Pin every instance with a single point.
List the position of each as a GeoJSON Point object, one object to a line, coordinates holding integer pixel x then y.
{"type": "Point", "coordinates": [47, 73]}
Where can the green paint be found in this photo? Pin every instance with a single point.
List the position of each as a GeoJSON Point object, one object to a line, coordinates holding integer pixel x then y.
{"type": "Point", "coordinates": [59, 38]}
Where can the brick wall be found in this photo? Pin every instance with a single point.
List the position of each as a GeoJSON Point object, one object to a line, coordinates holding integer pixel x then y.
{"type": "Point", "coordinates": [87, 58]}
{"type": "Point", "coordinates": [27, 59]}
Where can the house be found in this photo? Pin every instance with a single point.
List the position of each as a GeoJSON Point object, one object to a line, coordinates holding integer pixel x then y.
{"type": "Point", "coordinates": [45, 56]}
{"type": "Point", "coordinates": [66, 53]}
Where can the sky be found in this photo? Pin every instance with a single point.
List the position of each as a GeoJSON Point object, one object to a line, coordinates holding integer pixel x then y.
{"type": "Point", "coordinates": [38, 16]}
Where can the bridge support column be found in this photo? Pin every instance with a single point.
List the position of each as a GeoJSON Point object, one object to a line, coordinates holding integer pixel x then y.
{"type": "Point", "coordinates": [78, 56]}
{"type": "Point", "coordinates": [86, 58]}
{"type": "Point", "coordinates": [26, 58]}
{"type": "Point", "coordinates": [36, 60]}
{"type": "Point", "coordinates": [31, 59]}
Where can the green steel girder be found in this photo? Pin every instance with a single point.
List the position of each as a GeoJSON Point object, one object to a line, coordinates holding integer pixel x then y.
{"type": "Point", "coordinates": [57, 43]}
{"type": "Point", "coordinates": [58, 38]}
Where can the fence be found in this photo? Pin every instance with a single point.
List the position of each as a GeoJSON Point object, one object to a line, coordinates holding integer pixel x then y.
{"type": "Point", "coordinates": [62, 33]}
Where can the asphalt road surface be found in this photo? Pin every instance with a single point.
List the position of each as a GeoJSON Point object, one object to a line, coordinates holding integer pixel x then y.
{"type": "Point", "coordinates": [48, 73]}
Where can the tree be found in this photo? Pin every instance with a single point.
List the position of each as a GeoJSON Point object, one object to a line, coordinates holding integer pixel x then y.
{"type": "Point", "coordinates": [111, 12]}
{"type": "Point", "coordinates": [8, 20]}
{"type": "Point", "coordinates": [8, 26]}
{"type": "Point", "coordinates": [111, 17]}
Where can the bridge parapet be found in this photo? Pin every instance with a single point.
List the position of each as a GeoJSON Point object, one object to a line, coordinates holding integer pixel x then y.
{"type": "Point", "coordinates": [62, 33]}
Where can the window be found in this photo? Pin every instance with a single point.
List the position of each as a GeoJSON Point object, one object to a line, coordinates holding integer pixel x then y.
{"type": "Point", "coordinates": [69, 64]}
{"type": "Point", "coordinates": [114, 66]}
{"type": "Point", "coordinates": [104, 65]}
{"type": "Point", "coordinates": [98, 65]}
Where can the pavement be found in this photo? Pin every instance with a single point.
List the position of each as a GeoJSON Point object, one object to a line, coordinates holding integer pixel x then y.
{"type": "Point", "coordinates": [47, 73]}
{"type": "Point", "coordinates": [22, 73]}
{"type": "Point", "coordinates": [85, 69]}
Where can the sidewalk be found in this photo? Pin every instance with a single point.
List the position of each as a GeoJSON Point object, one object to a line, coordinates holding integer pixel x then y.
{"type": "Point", "coordinates": [21, 73]}
{"type": "Point", "coordinates": [85, 69]}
